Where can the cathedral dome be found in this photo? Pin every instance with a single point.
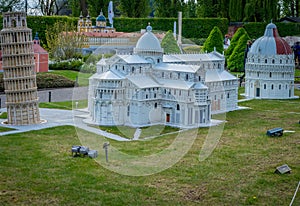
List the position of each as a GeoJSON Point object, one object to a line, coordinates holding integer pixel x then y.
{"type": "Point", "coordinates": [101, 17]}
{"type": "Point", "coordinates": [148, 42]}
{"type": "Point", "coordinates": [271, 43]}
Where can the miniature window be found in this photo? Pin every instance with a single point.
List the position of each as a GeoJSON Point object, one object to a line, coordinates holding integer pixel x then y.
{"type": "Point", "coordinates": [280, 61]}
{"type": "Point", "coordinates": [279, 87]}
{"type": "Point", "coordinates": [266, 61]}
{"type": "Point", "coordinates": [178, 107]}
{"type": "Point", "coordinates": [270, 74]}
{"type": "Point", "coordinates": [273, 61]}
{"type": "Point", "coordinates": [265, 86]}
{"type": "Point", "coordinates": [155, 105]}
{"type": "Point", "coordinates": [186, 77]}
{"type": "Point", "coordinates": [199, 78]}
{"type": "Point", "coordinates": [272, 86]}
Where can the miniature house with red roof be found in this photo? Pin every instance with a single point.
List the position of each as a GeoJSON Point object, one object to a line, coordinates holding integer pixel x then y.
{"type": "Point", "coordinates": [270, 67]}
{"type": "Point", "coordinates": [41, 56]}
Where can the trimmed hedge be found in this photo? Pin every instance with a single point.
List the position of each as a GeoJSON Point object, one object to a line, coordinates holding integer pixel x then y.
{"type": "Point", "coordinates": [74, 65]}
{"type": "Point", "coordinates": [46, 80]}
{"type": "Point", "coordinates": [257, 29]}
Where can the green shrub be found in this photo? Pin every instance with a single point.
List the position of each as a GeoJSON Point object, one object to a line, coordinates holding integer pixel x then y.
{"type": "Point", "coordinates": [74, 65]}
{"type": "Point", "coordinates": [88, 68]}
{"type": "Point", "coordinates": [198, 41]}
{"type": "Point", "coordinates": [236, 60]}
{"type": "Point", "coordinates": [47, 80]}
{"type": "Point", "coordinates": [214, 40]}
{"type": "Point", "coordinates": [169, 44]}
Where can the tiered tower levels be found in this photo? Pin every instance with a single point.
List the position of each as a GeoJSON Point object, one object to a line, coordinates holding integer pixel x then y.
{"type": "Point", "coordinates": [19, 74]}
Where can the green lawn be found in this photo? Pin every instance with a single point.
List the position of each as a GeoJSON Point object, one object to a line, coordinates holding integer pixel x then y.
{"type": "Point", "coordinates": [82, 77]}
{"type": "Point", "coordinates": [146, 132]}
{"type": "Point", "coordinates": [37, 167]}
{"type": "Point", "coordinates": [69, 105]}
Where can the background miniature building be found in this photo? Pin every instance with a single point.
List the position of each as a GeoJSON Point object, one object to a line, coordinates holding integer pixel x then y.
{"type": "Point", "coordinates": [147, 88]}
{"type": "Point", "coordinates": [270, 67]}
{"type": "Point", "coordinates": [19, 75]}
{"type": "Point", "coordinates": [41, 56]}
{"type": "Point", "coordinates": [85, 24]}
{"type": "Point", "coordinates": [103, 39]}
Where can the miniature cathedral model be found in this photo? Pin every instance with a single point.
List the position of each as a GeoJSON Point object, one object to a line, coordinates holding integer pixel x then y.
{"type": "Point", "coordinates": [147, 88]}
{"type": "Point", "coordinates": [270, 67]}
{"type": "Point", "coordinates": [18, 66]}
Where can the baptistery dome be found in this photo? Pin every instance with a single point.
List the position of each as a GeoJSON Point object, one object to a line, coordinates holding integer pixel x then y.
{"type": "Point", "coordinates": [271, 43]}
{"type": "Point", "coordinates": [148, 42]}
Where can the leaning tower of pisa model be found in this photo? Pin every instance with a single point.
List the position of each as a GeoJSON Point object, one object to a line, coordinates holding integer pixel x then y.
{"type": "Point", "coordinates": [18, 70]}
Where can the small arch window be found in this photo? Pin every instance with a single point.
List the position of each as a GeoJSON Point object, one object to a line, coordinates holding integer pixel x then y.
{"type": "Point", "coordinates": [273, 61]}
{"type": "Point", "coordinates": [178, 107]}
{"type": "Point", "coordinates": [155, 105]}
{"type": "Point", "coordinates": [265, 86]}
{"type": "Point", "coordinates": [266, 61]}
{"type": "Point", "coordinates": [279, 86]}
{"type": "Point", "coordinates": [272, 86]}
{"type": "Point", "coordinates": [270, 75]}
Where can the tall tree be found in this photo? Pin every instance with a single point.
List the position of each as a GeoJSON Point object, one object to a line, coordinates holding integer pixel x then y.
{"type": "Point", "coordinates": [190, 10]}
{"type": "Point", "coordinates": [135, 8]}
{"type": "Point", "coordinates": [236, 10]}
{"type": "Point", "coordinates": [11, 5]}
{"type": "Point", "coordinates": [168, 8]}
{"type": "Point", "coordinates": [290, 7]}
{"type": "Point", "coordinates": [207, 8]}
{"type": "Point", "coordinates": [214, 40]}
{"type": "Point", "coordinates": [63, 43]}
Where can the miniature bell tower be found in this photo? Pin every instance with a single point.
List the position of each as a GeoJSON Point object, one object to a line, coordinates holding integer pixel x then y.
{"type": "Point", "coordinates": [18, 70]}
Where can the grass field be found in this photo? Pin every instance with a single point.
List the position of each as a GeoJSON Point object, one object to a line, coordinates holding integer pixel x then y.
{"type": "Point", "coordinates": [37, 167]}
{"type": "Point", "coordinates": [83, 78]}
{"type": "Point", "coordinates": [68, 105]}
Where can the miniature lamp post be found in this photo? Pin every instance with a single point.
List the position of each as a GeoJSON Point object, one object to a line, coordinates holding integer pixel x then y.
{"type": "Point", "coordinates": [105, 147]}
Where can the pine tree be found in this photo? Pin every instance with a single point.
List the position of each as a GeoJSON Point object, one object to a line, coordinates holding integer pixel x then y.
{"type": "Point", "coordinates": [236, 59]}
{"type": "Point", "coordinates": [169, 44]}
{"type": "Point", "coordinates": [215, 39]}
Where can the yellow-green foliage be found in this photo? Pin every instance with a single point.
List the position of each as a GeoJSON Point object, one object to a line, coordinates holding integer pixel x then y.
{"type": "Point", "coordinates": [215, 39]}
{"type": "Point", "coordinates": [169, 43]}
{"type": "Point", "coordinates": [236, 59]}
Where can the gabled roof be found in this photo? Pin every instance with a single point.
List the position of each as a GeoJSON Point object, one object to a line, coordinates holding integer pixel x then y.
{"type": "Point", "coordinates": [175, 84]}
{"type": "Point", "coordinates": [213, 75]}
{"type": "Point", "coordinates": [176, 67]}
{"type": "Point", "coordinates": [177, 58]}
{"type": "Point", "coordinates": [143, 81]}
{"type": "Point", "coordinates": [109, 75]}
{"type": "Point", "coordinates": [199, 85]}
{"type": "Point", "coordinates": [38, 49]}
{"type": "Point", "coordinates": [133, 59]}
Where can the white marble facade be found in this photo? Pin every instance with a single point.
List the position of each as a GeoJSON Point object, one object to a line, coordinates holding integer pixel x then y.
{"type": "Point", "coordinates": [147, 87]}
{"type": "Point", "coordinates": [270, 67]}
